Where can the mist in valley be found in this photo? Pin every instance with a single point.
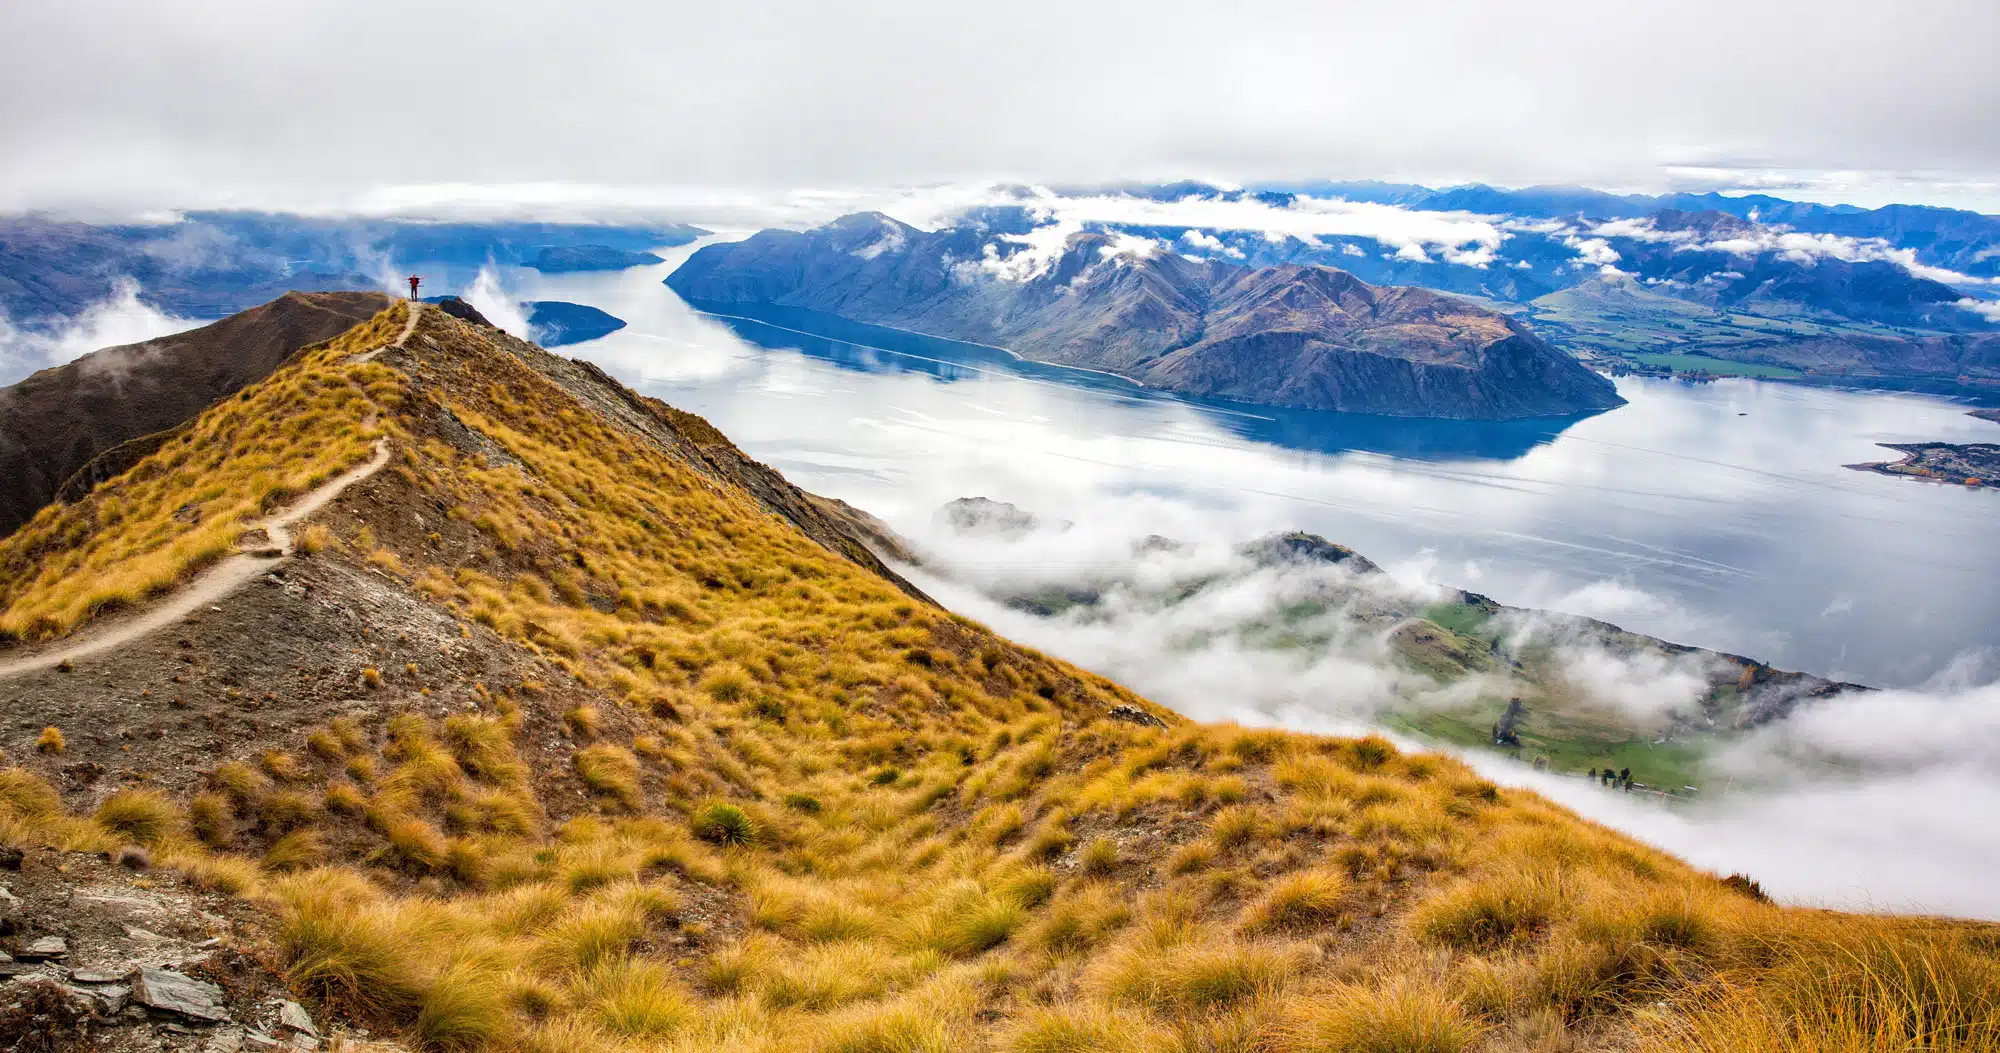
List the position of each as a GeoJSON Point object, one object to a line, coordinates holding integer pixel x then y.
{"type": "Point", "coordinates": [1870, 800]}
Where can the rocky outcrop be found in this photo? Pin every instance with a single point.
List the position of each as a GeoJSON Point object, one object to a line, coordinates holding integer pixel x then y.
{"type": "Point", "coordinates": [53, 423]}
{"type": "Point", "coordinates": [1312, 337]}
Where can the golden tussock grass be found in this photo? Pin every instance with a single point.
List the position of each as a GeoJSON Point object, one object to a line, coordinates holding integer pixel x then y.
{"type": "Point", "coordinates": [851, 822]}
{"type": "Point", "coordinates": [186, 505]}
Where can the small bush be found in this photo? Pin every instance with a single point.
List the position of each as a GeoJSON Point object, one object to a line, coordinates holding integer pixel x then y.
{"type": "Point", "coordinates": [724, 824]}
{"type": "Point", "coordinates": [51, 741]}
{"type": "Point", "coordinates": [371, 677]}
{"type": "Point", "coordinates": [803, 802]}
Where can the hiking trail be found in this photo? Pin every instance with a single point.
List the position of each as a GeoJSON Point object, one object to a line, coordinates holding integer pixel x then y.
{"type": "Point", "coordinates": [222, 578]}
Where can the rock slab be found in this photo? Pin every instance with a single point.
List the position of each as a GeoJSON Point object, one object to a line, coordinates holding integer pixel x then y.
{"type": "Point", "coordinates": [171, 992]}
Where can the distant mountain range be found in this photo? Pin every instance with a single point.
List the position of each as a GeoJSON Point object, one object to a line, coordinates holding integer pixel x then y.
{"type": "Point", "coordinates": [1833, 292]}
{"type": "Point", "coordinates": [209, 264]}
{"type": "Point", "coordinates": [1304, 336]}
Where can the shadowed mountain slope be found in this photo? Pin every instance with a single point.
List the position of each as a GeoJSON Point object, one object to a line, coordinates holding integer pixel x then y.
{"type": "Point", "coordinates": [56, 421]}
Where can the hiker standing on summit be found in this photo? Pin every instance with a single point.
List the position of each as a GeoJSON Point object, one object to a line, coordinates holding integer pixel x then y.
{"type": "Point", "coordinates": [414, 282]}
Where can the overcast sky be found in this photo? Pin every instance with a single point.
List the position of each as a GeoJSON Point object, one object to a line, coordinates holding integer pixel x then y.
{"type": "Point", "coordinates": [123, 104]}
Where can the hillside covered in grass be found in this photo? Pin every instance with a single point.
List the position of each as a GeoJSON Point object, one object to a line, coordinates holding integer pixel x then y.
{"type": "Point", "coordinates": [577, 730]}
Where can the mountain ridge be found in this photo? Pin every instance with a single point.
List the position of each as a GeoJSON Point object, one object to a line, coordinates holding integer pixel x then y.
{"type": "Point", "coordinates": [553, 736]}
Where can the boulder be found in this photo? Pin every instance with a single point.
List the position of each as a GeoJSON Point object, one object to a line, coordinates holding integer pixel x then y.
{"type": "Point", "coordinates": [172, 992]}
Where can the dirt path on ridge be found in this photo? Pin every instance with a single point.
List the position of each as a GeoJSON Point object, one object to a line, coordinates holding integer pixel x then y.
{"type": "Point", "coordinates": [220, 579]}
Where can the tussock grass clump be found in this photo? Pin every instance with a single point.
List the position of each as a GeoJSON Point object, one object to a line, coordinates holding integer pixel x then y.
{"type": "Point", "coordinates": [212, 820]}
{"type": "Point", "coordinates": [1201, 976]}
{"type": "Point", "coordinates": [1844, 984]}
{"type": "Point", "coordinates": [1489, 911]}
{"type": "Point", "coordinates": [637, 998]}
{"type": "Point", "coordinates": [1304, 900]}
{"type": "Point", "coordinates": [724, 824]}
{"type": "Point", "coordinates": [1080, 920]}
{"type": "Point", "coordinates": [144, 816]}
{"type": "Point", "coordinates": [1083, 1028]}
{"type": "Point", "coordinates": [244, 784]}
{"type": "Point", "coordinates": [26, 794]}
{"type": "Point", "coordinates": [1098, 858]}
{"type": "Point", "coordinates": [1401, 1017]}
{"type": "Point", "coordinates": [610, 771]}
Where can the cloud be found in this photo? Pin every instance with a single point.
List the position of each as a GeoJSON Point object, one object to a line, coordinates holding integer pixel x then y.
{"type": "Point", "coordinates": [498, 305]}
{"type": "Point", "coordinates": [1837, 805]}
{"type": "Point", "coordinates": [1036, 252]}
{"type": "Point", "coordinates": [204, 104]}
{"type": "Point", "coordinates": [1594, 251]}
{"type": "Point", "coordinates": [1207, 242]}
{"type": "Point", "coordinates": [1125, 246]}
{"type": "Point", "coordinates": [891, 239]}
{"type": "Point", "coordinates": [122, 318]}
{"type": "Point", "coordinates": [1987, 309]}
{"type": "Point", "coordinates": [1778, 240]}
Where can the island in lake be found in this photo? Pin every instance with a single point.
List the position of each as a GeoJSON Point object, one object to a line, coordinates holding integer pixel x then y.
{"type": "Point", "coordinates": [1967, 464]}
{"type": "Point", "coordinates": [554, 323]}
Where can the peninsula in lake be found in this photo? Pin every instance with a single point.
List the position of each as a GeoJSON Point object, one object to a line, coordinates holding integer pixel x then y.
{"type": "Point", "coordinates": [1305, 336]}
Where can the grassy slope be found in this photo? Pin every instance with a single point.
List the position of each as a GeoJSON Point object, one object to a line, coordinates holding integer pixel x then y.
{"type": "Point", "coordinates": [186, 505]}
{"type": "Point", "coordinates": [1661, 330]}
{"type": "Point", "coordinates": [834, 819]}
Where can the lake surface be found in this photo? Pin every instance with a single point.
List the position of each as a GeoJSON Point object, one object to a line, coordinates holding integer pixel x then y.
{"type": "Point", "coordinates": [1718, 515]}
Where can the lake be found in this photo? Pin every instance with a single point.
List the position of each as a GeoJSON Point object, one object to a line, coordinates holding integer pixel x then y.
{"type": "Point", "coordinates": [1718, 515]}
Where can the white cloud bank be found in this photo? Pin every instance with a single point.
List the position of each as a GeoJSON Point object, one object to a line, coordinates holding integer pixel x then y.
{"type": "Point", "coordinates": [121, 318]}
{"type": "Point", "coordinates": [1876, 800]}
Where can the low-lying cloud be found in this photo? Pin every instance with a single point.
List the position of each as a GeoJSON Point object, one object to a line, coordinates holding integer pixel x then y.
{"type": "Point", "coordinates": [1863, 801]}
{"type": "Point", "coordinates": [121, 318]}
